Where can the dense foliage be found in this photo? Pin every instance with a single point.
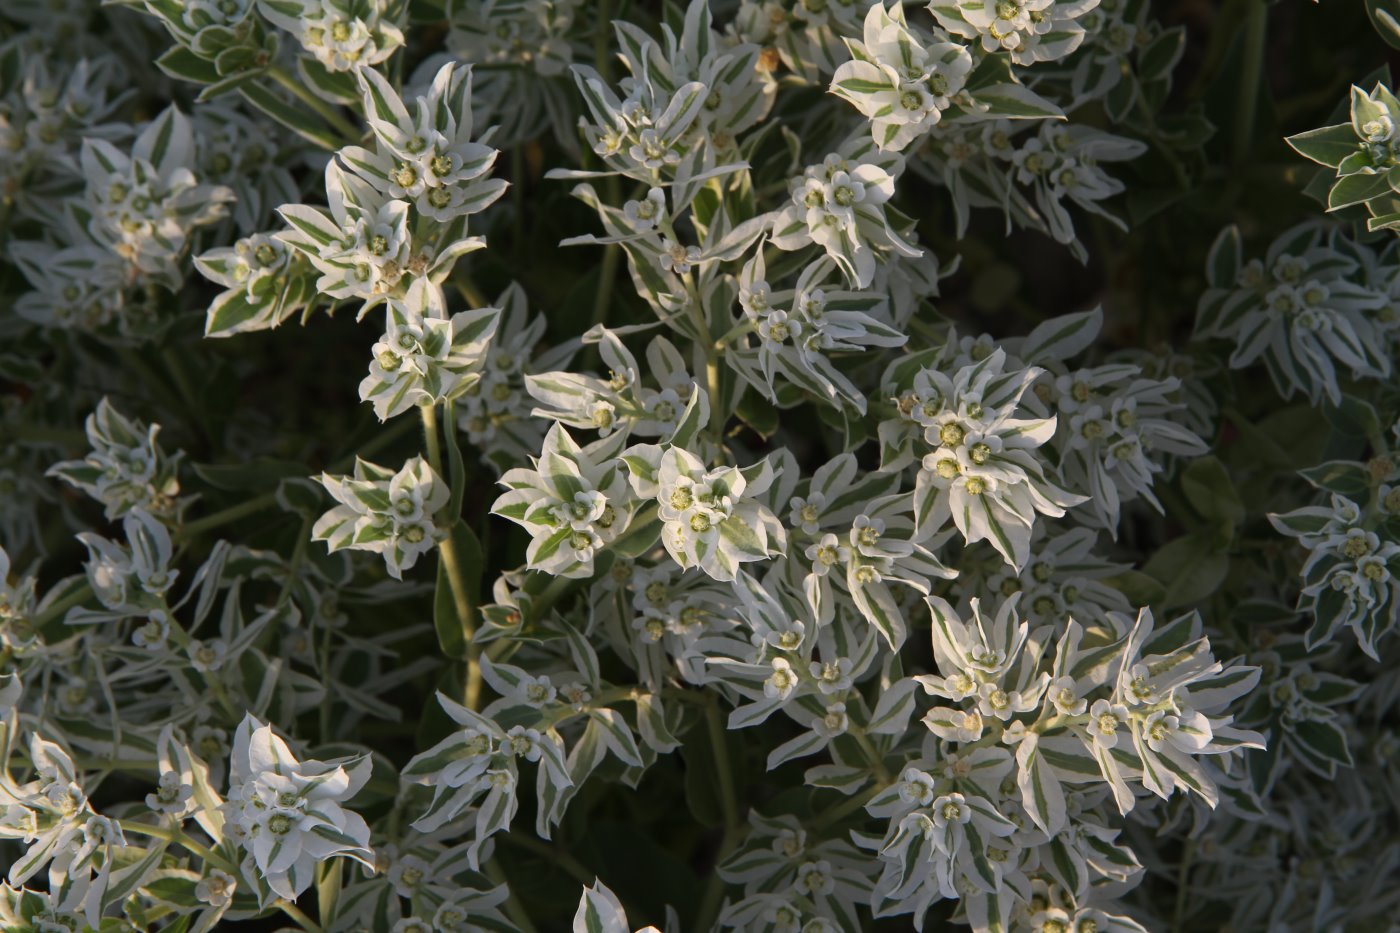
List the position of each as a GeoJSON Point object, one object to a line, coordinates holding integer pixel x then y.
{"type": "Point", "coordinates": [866, 465]}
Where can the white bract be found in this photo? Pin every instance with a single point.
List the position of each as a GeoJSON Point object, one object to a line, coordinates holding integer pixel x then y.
{"type": "Point", "coordinates": [898, 80]}
{"type": "Point", "coordinates": [288, 814]}
{"type": "Point", "coordinates": [426, 356]}
{"type": "Point", "coordinates": [343, 35]}
{"type": "Point", "coordinates": [426, 154]}
{"type": "Point", "coordinates": [978, 464]}
{"type": "Point", "coordinates": [1029, 31]}
{"type": "Point", "coordinates": [574, 502]}
{"type": "Point", "coordinates": [711, 518]}
{"type": "Point", "coordinates": [384, 511]}
{"type": "Point", "coordinates": [127, 468]}
{"type": "Point", "coordinates": [146, 203]}
{"type": "Point", "coordinates": [1297, 310]}
{"type": "Point", "coordinates": [840, 205]}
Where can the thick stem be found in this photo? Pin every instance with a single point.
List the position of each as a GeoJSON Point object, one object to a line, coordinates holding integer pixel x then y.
{"type": "Point", "coordinates": [733, 831]}
{"type": "Point", "coordinates": [452, 567]}
{"type": "Point", "coordinates": [711, 350]}
{"type": "Point", "coordinates": [872, 754]}
{"type": "Point", "coordinates": [1251, 76]}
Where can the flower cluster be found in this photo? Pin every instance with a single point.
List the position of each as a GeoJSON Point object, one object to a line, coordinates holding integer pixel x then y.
{"type": "Point", "coordinates": [815, 491]}
{"type": "Point", "coordinates": [389, 512]}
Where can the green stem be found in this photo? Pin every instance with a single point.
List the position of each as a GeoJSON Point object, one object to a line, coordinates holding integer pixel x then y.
{"type": "Point", "coordinates": [848, 806]}
{"type": "Point", "coordinates": [294, 565]}
{"type": "Point", "coordinates": [231, 514]}
{"type": "Point", "coordinates": [711, 350]}
{"type": "Point", "coordinates": [733, 831]}
{"type": "Point", "coordinates": [59, 609]}
{"type": "Point", "coordinates": [383, 439]}
{"type": "Point", "coordinates": [1182, 873]}
{"type": "Point", "coordinates": [1252, 74]}
{"type": "Point", "coordinates": [452, 566]}
{"type": "Point", "coordinates": [872, 754]}
{"type": "Point", "coordinates": [323, 109]}
{"type": "Point", "coordinates": [175, 837]}
{"type": "Point", "coordinates": [40, 434]}
{"type": "Point", "coordinates": [607, 275]}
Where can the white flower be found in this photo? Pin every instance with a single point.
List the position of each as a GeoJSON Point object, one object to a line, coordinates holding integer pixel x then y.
{"type": "Point", "coordinates": [982, 472]}
{"type": "Point", "coordinates": [384, 512]}
{"type": "Point", "coordinates": [574, 501]}
{"type": "Point", "coordinates": [216, 888]}
{"type": "Point", "coordinates": [146, 204]}
{"type": "Point", "coordinates": [206, 656]}
{"type": "Point", "coordinates": [1105, 721]}
{"type": "Point", "coordinates": [290, 811]}
{"type": "Point", "coordinates": [1029, 30]}
{"type": "Point", "coordinates": [646, 213]}
{"type": "Point", "coordinates": [425, 152]}
{"type": "Point", "coordinates": [343, 36]}
{"type": "Point", "coordinates": [781, 683]}
{"type": "Point", "coordinates": [711, 518]}
{"type": "Point", "coordinates": [902, 84]}
{"type": "Point", "coordinates": [840, 206]}
{"type": "Point", "coordinates": [126, 469]}
{"type": "Point", "coordinates": [425, 356]}
{"type": "Point", "coordinates": [171, 795]}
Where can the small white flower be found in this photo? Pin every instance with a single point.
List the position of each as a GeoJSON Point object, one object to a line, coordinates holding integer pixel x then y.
{"type": "Point", "coordinates": [216, 888]}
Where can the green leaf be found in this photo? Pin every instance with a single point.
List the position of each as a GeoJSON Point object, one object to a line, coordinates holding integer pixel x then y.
{"type": "Point", "coordinates": [257, 474]}
{"type": "Point", "coordinates": [1340, 476]}
{"type": "Point", "coordinates": [1325, 739]}
{"type": "Point", "coordinates": [758, 413]}
{"type": "Point", "coordinates": [1224, 261]}
{"type": "Point", "coordinates": [1211, 492]}
{"type": "Point", "coordinates": [1328, 145]}
{"type": "Point", "coordinates": [182, 64]}
{"type": "Point", "coordinates": [1161, 55]}
{"type": "Point", "coordinates": [1354, 417]}
{"type": "Point", "coordinates": [1356, 189]}
{"type": "Point", "coordinates": [1189, 568]}
{"type": "Point", "coordinates": [299, 121]}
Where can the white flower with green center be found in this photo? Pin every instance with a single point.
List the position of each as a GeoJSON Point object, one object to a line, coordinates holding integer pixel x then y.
{"type": "Point", "coordinates": [265, 284]}
{"type": "Point", "coordinates": [711, 518]}
{"type": "Point", "coordinates": [145, 205]}
{"type": "Point", "coordinates": [574, 501]}
{"type": "Point", "coordinates": [425, 356]}
{"type": "Point", "coordinates": [1351, 576]}
{"type": "Point", "coordinates": [289, 811]}
{"type": "Point", "coordinates": [126, 469]}
{"type": "Point", "coordinates": [982, 471]}
{"type": "Point", "coordinates": [425, 152]}
{"type": "Point", "coordinates": [1299, 311]}
{"type": "Point", "coordinates": [1117, 429]}
{"type": "Point", "coordinates": [898, 79]}
{"type": "Point", "coordinates": [1106, 721]}
{"type": "Point", "coordinates": [132, 580]}
{"type": "Point", "coordinates": [343, 35]}
{"type": "Point", "coordinates": [386, 512]}
{"type": "Point", "coordinates": [840, 205]}
{"type": "Point", "coordinates": [1029, 31]}
{"type": "Point", "coordinates": [803, 330]}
